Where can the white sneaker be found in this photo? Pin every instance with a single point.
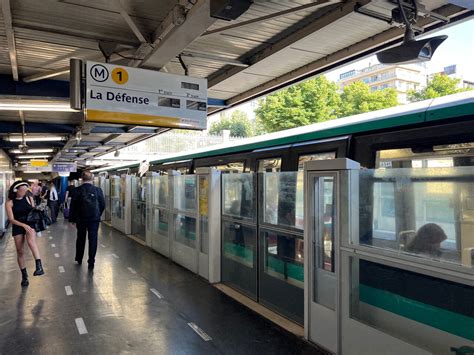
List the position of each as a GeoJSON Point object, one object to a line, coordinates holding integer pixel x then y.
{"type": "Point", "coordinates": [39, 234]}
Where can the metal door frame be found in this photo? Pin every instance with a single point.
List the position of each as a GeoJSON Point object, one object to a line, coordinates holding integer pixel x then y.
{"type": "Point", "coordinates": [315, 170]}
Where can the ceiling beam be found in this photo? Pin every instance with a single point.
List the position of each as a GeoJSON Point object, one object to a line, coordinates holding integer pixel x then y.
{"type": "Point", "coordinates": [317, 3]}
{"type": "Point", "coordinates": [174, 35]}
{"type": "Point", "coordinates": [367, 46]}
{"type": "Point", "coordinates": [7, 21]}
{"type": "Point", "coordinates": [136, 31]}
{"type": "Point", "coordinates": [314, 23]}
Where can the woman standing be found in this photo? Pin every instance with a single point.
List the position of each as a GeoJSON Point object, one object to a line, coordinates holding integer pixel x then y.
{"type": "Point", "coordinates": [18, 206]}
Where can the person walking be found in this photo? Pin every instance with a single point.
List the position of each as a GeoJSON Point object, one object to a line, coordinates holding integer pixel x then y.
{"type": "Point", "coordinates": [53, 202]}
{"type": "Point", "coordinates": [87, 206]}
{"type": "Point", "coordinates": [18, 207]}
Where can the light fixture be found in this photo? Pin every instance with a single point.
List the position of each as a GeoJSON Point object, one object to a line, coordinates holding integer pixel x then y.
{"type": "Point", "coordinates": [44, 156]}
{"type": "Point", "coordinates": [27, 103]}
{"type": "Point", "coordinates": [36, 139]}
{"type": "Point", "coordinates": [31, 172]}
{"type": "Point", "coordinates": [35, 150]}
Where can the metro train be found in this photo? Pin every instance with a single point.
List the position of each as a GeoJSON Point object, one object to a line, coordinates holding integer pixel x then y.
{"type": "Point", "coordinates": [245, 215]}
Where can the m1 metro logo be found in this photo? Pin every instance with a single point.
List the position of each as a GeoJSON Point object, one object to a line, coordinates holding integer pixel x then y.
{"type": "Point", "coordinates": [99, 73]}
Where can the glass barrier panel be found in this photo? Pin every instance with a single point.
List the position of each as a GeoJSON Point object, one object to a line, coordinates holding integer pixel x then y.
{"type": "Point", "coordinates": [283, 199]}
{"type": "Point", "coordinates": [160, 190]}
{"type": "Point", "coordinates": [284, 258]}
{"type": "Point", "coordinates": [115, 187]}
{"type": "Point", "coordinates": [238, 195]}
{"type": "Point", "coordinates": [239, 243]}
{"type": "Point", "coordinates": [239, 257]}
{"type": "Point", "coordinates": [185, 193]}
{"type": "Point", "coordinates": [161, 222]}
{"type": "Point", "coordinates": [434, 302]}
{"type": "Point", "coordinates": [427, 213]}
{"type": "Point", "coordinates": [185, 230]}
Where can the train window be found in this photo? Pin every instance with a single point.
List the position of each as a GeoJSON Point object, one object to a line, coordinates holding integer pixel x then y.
{"type": "Point", "coordinates": [438, 156]}
{"type": "Point", "coordinates": [422, 212]}
{"type": "Point", "coordinates": [316, 156]}
{"type": "Point", "coordinates": [269, 165]}
{"type": "Point", "coordinates": [235, 167]}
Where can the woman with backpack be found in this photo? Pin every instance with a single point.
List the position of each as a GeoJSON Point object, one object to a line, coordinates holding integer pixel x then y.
{"type": "Point", "coordinates": [18, 206]}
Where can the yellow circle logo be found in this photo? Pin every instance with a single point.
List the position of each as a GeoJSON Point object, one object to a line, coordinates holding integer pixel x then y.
{"type": "Point", "coordinates": [120, 76]}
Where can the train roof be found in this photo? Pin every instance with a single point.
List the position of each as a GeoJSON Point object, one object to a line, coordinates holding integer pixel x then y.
{"type": "Point", "coordinates": [457, 105]}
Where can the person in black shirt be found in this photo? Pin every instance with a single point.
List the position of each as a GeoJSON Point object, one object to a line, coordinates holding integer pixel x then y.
{"type": "Point", "coordinates": [87, 206]}
{"type": "Point", "coordinates": [18, 207]}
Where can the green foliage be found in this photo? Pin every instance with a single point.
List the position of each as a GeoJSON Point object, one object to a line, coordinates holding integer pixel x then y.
{"type": "Point", "coordinates": [440, 85]}
{"type": "Point", "coordinates": [358, 98]}
{"type": "Point", "coordinates": [238, 124]}
{"type": "Point", "coordinates": [314, 100]}
{"type": "Point", "coordinates": [318, 100]}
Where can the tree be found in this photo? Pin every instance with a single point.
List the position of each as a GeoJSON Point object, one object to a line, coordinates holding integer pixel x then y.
{"type": "Point", "coordinates": [357, 97]}
{"type": "Point", "coordinates": [440, 85]}
{"type": "Point", "coordinates": [315, 100]}
{"type": "Point", "coordinates": [238, 124]}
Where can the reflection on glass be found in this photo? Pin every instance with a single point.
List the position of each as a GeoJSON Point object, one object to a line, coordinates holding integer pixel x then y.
{"type": "Point", "coordinates": [185, 230]}
{"type": "Point", "coordinates": [238, 195]}
{"type": "Point", "coordinates": [269, 165]}
{"type": "Point", "coordinates": [160, 193]}
{"type": "Point", "coordinates": [284, 258]}
{"type": "Point", "coordinates": [316, 156]}
{"type": "Point", "coordinates": [423, 212]}
{"type": "Point", "coordinates": [283, 199]}
{"type": "Point", "coordinates": [185, 193]}
{"type": "Point", "coordinates": [161, 222]}
{"type": "Point", "coordinates": [239, 243]}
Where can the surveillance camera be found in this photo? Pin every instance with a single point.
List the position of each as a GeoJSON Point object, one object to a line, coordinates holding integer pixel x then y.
{"type": "Point", "coordinates": [23, 148]}
{"type": "Point", "coordinates": [411, 51]}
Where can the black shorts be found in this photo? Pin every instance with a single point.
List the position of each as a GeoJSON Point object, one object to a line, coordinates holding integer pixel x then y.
{"type": "Point", "coordinates": [16, 230]}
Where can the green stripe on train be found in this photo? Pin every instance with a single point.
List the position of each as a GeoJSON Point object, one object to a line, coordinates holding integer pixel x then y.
{"type": "Point", "coordinates": [451, 322]}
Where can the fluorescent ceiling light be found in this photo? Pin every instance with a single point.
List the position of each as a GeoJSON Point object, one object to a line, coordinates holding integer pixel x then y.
{"type": "Point", "coordinates": [36, 139]}
{"type": "Point", "coordinates": [34, 156]}
{"type": "Point", "coordinates": [39, 150]}
{"type": "Point", "coordinates": [27, 103]}
{"type": "Point", "coordinates": [31, 172]}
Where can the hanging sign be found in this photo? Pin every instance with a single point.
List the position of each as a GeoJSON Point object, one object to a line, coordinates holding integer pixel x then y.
{"type": "Point", "coordinates": [39, 163]}
{"type": "Point", "coordinates": [64, 167]}
{"type": "Point", "coordinates": [133, 96]}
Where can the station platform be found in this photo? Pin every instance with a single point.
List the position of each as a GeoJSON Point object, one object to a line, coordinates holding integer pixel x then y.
{"type": "Point", "coordinates": [135, 301]}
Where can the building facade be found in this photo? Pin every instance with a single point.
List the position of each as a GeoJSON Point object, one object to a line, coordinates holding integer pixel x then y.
{"type": "Point", "coordinates": [400, 77]}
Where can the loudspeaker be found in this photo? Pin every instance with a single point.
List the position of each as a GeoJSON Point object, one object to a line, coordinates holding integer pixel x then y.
{"type": "Point", "coordinates": [229, 9]}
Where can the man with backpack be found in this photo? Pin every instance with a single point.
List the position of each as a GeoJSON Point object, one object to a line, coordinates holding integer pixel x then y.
{"type": "Point", "coordinates": [87, 206]}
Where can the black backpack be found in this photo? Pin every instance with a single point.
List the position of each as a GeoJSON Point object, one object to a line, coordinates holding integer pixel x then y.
{"type": "Point", "coordinates": [89, 204]}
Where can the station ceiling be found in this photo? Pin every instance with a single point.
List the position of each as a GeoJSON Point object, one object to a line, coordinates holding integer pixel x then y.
{"type": "Point", "coordinates": [273, 44]}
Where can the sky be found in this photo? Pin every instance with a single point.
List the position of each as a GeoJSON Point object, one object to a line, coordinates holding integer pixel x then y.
{"type": "Point", "coordinates": [457, 49]}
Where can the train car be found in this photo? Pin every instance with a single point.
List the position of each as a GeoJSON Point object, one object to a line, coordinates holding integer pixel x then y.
{"type": "Point", "coordinates": [416, 176]}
